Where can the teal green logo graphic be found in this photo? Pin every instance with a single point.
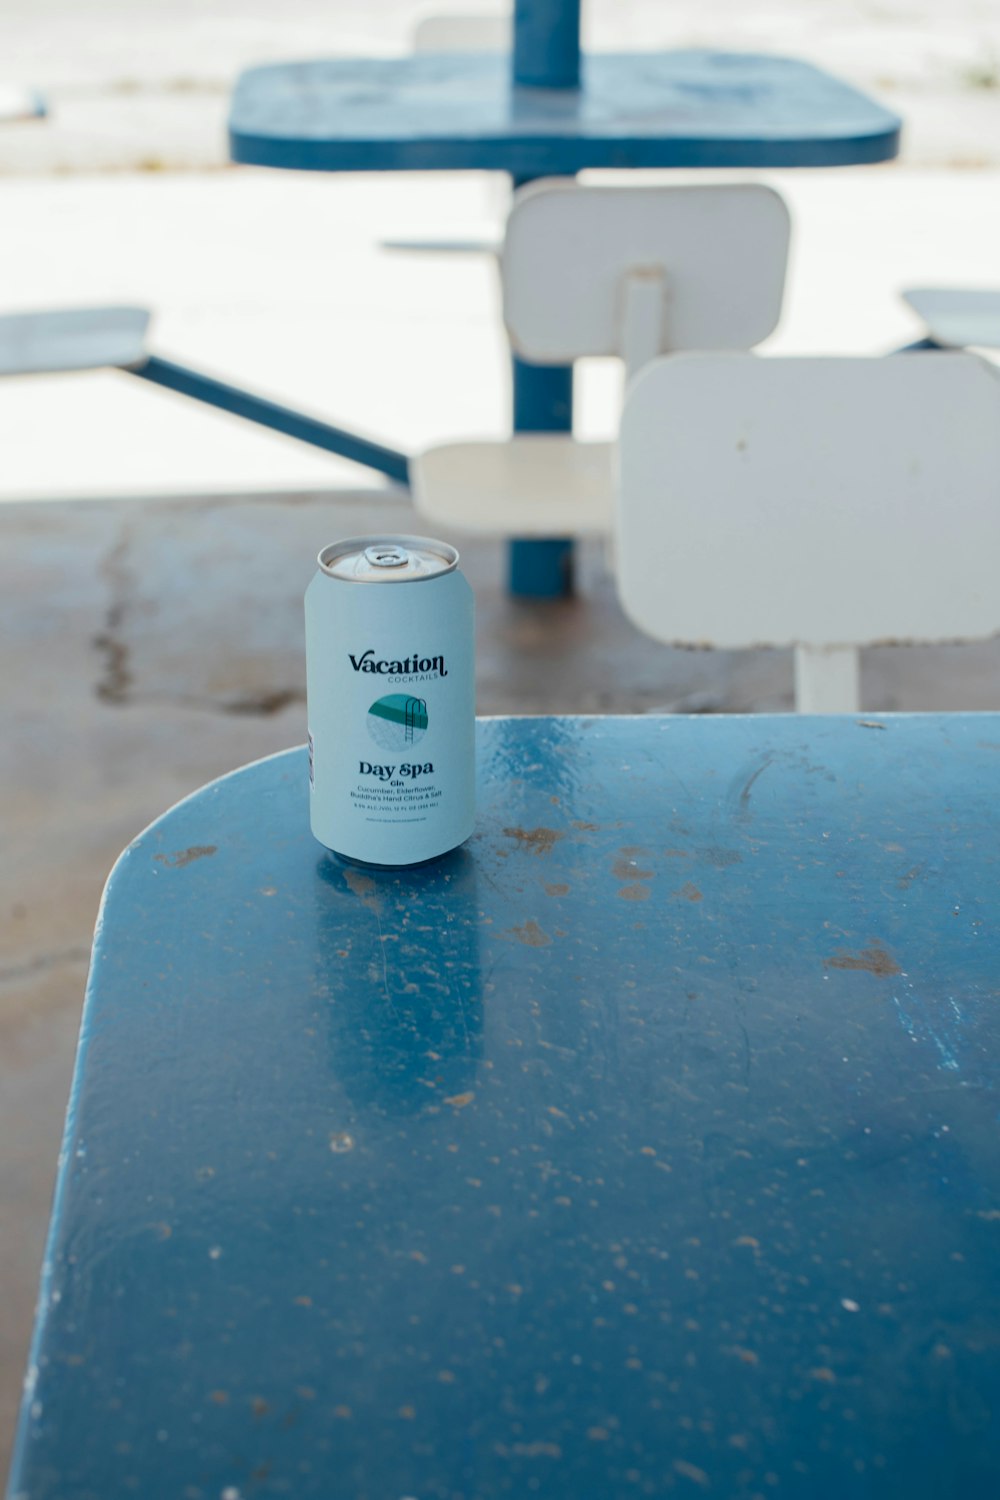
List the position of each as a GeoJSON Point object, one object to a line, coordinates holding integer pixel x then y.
{"type": "Point", "coordinates": [397, 721]}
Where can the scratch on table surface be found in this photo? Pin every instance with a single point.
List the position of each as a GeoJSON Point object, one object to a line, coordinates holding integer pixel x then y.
{"type": "Point", "coordinates": [635, 892]}
{"type": "Point", "coordinates": [530, 934]}
{"type": "Point", "coordinates": [748, 784]}
{"type": "Point", "coordinates": [873, 960]}
{"type": "Point", "coordinates": [538, 840]}
{"type": "Point", "coordinates": [628, 869]}
{"type": "Point", "coordinates": [688, 892]}
{"type": "Point", "coordinates": [740, 803]}
{"type": "Point", "coordinates": [363, 887]}
{"type": "Point", "coordinates": [923, 1022]}
{"type": "Point", "coordinates": [182, 857]}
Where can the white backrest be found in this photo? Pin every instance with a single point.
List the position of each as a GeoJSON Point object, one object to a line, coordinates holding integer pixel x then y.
{"type": "Point", "coordinates": [718, 252]}
{"type": "Point", "coordinates": [821, 502]}
{"type": "Point", "coordinates": [463, 32]}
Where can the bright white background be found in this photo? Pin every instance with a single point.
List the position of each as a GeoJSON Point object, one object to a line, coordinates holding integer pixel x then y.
{"type": "Point", "coordinates": [281, 281]}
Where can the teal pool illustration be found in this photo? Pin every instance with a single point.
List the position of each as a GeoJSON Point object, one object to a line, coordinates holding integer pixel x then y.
{"type": "Point", "coordinates": [397, 721]}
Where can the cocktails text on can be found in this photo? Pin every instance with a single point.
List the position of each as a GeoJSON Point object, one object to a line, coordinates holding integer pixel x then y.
{"type": "Point", "coordinates": [390, 676]}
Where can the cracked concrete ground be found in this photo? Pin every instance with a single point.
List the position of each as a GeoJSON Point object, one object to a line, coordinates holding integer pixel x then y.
{"type": "Point", "coordinates": [149, 646]}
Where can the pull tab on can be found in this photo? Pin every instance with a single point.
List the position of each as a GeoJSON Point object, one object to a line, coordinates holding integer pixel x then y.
{"type": "Point", "coordinates": [387, 559]}
{"type": "Point", "coordinates": [387, 556]}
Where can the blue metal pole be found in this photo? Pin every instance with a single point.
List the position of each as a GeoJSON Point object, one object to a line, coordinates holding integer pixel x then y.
{"type": "Point", "coordinates": [546, 55]}
{"type": "Point", "coordinates": [282, 419]}
{"type": "Point", "coordinates": [547, 44]}
{"type": "Point", "coordinates": [543, 402]}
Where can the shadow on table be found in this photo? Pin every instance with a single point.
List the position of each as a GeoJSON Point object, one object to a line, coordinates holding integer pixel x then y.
{"type": "Point", "coordinates": [406, 1012]}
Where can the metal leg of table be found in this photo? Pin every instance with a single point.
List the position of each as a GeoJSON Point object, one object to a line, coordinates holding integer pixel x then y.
{"type": "Point", "coordinates": [547, 43]}
{"type": "Point", "coordinates": [543, 402]}
{"type": "Point", "coordinates": [546, 55]}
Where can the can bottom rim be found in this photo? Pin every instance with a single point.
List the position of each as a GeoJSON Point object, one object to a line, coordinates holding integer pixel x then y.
{"type": "Point", "coordinates": [368, 864]}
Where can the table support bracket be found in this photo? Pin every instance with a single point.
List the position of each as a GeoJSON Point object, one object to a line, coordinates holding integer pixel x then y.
{"type": "Point", "coordinates": [283, 419]}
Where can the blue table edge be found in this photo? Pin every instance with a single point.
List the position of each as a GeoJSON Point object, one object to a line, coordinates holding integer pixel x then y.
{"type": "Point", "coordinates": [872, 720]}
{"type": "Point", "coordinates": [533, 154]}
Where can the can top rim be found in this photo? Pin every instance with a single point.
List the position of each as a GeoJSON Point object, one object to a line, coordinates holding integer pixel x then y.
{"type": "Point", "coordinates": [437, 558]}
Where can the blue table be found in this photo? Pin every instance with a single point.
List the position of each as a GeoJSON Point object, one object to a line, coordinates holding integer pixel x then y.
{"type": "Point", "coordinates": [646, 1145]}
{"type": "Point", "coordinates": [547, 111]}
{"type": "Point", "coordinates": [464, 113]}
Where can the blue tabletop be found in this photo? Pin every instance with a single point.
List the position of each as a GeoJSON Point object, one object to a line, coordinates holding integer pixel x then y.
{"type": "Point", "coordinates": [646, 1145]}
{"type": "Point", "coordinates": [460, 111]}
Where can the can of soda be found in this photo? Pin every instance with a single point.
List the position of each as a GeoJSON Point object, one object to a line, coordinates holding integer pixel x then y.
{"type": "Point", "coordinates": [390, 680]}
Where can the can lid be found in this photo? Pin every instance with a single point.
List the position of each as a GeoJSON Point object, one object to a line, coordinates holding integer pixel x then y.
{"type": "Point", "coordinates": [387, 559]}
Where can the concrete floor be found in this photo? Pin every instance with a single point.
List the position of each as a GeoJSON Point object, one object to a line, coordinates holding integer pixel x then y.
{"type": "Point", "coordinates": [149, 646]}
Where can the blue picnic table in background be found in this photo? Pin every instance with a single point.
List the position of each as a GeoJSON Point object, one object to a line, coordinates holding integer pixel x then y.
{"type": "Point", "coordinates": [462, 112]}
{"type": "Point", "coordinates": [548, 111]}
{"type": "Point", "coordinates": [647, 1144]}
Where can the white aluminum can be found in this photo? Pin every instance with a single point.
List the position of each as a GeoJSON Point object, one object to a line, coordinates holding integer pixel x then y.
{"type": "Point", "coordinates": [390, 679]}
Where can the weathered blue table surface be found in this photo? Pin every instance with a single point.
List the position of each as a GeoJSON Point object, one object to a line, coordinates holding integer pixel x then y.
{"type": "Point", "coordinates": [462, 112]}
{"type": "Point", "coordinates": [646, 1145]}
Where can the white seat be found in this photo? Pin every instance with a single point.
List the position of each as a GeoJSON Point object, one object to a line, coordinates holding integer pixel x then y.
{"type": "Point", "coordinates": [630, 272]}
{"type": "Point", "coordinates": [825, 504]}
{"type": "Point", "coordinates": [78, 338]}
{"type": "Point", "coordinates": [537, 482]}
{"type": "Point", "coordinates": [463, 31]}
{"type": "Point", "coordinates": [957, 318]}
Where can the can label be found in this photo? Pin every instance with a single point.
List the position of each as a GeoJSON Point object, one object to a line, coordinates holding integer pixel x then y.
{"type": "Point", "coordinates": [390, 676]}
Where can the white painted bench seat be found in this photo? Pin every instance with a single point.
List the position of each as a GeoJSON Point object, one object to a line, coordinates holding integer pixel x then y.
{"type": "Point", "coordinates": [956, 317]}
{"type": "Point", "coordinates": [531, 485]}
{"type": "Point", "coordinates": [77, 338]}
